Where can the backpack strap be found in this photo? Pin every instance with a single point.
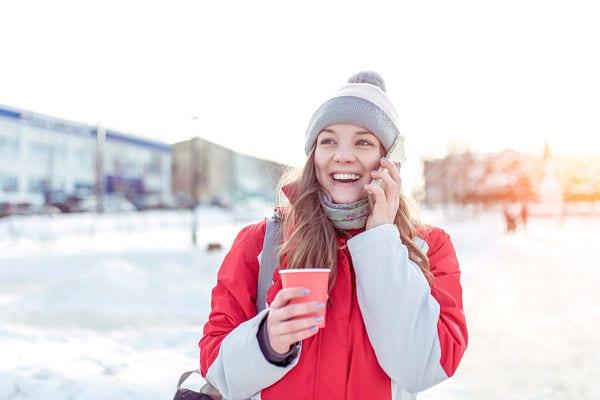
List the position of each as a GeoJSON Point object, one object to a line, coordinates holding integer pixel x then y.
{"type": "Point", "coordinates": [268, 260]}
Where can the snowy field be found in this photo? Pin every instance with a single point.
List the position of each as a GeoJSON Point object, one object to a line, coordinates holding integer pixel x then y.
{"type": "Point", "coordinates": [111, 307]}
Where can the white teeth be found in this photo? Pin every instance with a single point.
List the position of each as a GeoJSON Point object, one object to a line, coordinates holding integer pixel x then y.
{"type": "Point", "coordinates": [346, 177]}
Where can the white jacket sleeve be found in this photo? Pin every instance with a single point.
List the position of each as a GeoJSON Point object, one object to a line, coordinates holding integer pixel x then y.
{"type": "Point", "coordinates": [398, 310]}
{"type": "Point", "coordinates": [241, 370]}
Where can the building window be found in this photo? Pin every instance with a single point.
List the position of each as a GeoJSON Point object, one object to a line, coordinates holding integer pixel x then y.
{"type": "Point", "coordinates": [154, 166]}
{"type": "Point", "coordinates": [37, 186]}
{"type": "Point", "coordinates": [85, 159]}
{"type": "Point", "coordinates": [40, 152]}
{"type": "Point", "coordinates": [84, 189]}
{"type": "Point", "coordinates": [9, 148]}
{"type": "Point", "coordinates": [8, 184]}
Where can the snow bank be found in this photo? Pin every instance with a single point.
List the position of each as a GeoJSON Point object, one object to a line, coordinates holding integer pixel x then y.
{"type": "Point", "coordinates": [103, 307]}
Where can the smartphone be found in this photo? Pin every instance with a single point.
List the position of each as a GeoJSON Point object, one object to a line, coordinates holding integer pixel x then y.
{"type": "Point", "coordinates": [395, 154]}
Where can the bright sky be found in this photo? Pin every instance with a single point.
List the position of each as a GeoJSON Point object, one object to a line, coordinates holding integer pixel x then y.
{"type": "Point", "coordinates": [249, 74]}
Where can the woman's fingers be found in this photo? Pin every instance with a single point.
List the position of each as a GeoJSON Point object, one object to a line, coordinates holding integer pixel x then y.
{"type": "Point", "coordinates": [288, 323]}
{"type": "Point", "coordinates": [388, 189]}
{"type": "Point", "coordinates": [390, 175]}
{"type": "Point", "coordinates": [376, 191]}
{"type": "Point", "coordinates": [386, 196]}
{"type": "Point", "coordinates": [295, 310]}
{"type": "Point", "coordinates": [294, 337]}
{"type": "Point", "coordinates": [285, 295]}
{"type": "Point", "coordinates": [393, 168]}
{"type": "Point", "coordinates": [294, 326]}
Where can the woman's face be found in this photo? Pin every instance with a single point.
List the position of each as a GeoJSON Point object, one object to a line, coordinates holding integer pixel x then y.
{"type": "Point", "coordinates": [345, 155]}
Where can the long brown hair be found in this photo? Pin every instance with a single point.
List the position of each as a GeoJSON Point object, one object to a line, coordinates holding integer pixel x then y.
{"type": "Point", "coordinates": [309, 238]}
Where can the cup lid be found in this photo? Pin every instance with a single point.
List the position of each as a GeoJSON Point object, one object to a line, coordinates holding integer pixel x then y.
{"type": "Point", "coordinates": [292, 270]}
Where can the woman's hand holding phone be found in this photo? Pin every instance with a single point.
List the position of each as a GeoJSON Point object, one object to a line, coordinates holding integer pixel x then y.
{"type": "Point", "coordinates": [384, 192]}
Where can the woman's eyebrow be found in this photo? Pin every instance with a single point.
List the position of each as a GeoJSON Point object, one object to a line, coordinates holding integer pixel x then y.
{"type": "Point", "coordinates": [364, 133]}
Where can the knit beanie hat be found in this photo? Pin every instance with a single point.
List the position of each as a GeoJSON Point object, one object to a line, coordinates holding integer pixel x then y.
{"type": "Point", "coordinates": [362, 101]}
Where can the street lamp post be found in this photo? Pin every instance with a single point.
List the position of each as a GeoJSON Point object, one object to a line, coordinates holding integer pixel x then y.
{"type": "Point", "coordinates": [100, 145]}
{"type": "Point", "coordinates": [194, 189]}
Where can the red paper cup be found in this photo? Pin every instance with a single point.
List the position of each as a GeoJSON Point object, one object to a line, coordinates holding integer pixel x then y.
{"type": "Point", "coordinates": [315, 279]}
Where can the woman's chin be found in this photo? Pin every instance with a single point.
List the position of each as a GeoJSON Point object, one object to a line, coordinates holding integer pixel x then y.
{"type": "Point", "coordinates": [343, 198]}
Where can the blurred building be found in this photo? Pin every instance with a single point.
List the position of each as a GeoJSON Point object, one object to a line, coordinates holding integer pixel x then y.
{"type": "Point", "coordinates": [211, 173]}
{"type": "Point", "coordinates": [506, 176]}
{"type": "Point", "coordinates": [510, 176]}
{"type": "Point", "coordinates": [42, 155]}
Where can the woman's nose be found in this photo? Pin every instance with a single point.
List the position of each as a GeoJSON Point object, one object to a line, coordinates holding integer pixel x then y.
{"type": "Point", "coordinates": [344, 154]}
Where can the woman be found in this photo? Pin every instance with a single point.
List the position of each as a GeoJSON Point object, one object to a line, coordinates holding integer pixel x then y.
{"type": "Point", "coordinates": [395, 323]}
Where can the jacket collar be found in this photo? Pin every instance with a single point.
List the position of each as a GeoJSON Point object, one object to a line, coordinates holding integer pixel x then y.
{"type": "Point", "coordinates": [290, 191]}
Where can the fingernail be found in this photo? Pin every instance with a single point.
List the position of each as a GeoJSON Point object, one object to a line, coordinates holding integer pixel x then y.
{"type": "Point", "coordinates": [318, 318]}
{"type": "Point", "coordinates": [319, 306]}
{"type": "Point", "coordinates": [314, 329]}
{"type": "Point", "coordinates": [305, 291]}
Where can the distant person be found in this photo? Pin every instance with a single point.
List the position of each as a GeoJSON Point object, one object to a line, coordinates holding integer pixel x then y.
{"type": "Point", "coordinates": [524, 215]}
{"type": "Point", "coordinates": [510, 217]}
{"type": "Point", "coordinates": [395, 324]}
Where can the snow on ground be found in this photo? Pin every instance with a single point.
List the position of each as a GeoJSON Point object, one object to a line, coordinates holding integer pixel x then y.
{"type": "Point", "coordinates": [106, 307]}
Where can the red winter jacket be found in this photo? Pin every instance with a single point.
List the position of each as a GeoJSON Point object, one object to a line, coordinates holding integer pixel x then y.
{"type": "Point", "coordinates": [388, 333]}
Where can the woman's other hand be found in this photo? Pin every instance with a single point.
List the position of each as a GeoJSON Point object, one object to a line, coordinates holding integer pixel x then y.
{"type": "Point", "coordinates": [283, 327]}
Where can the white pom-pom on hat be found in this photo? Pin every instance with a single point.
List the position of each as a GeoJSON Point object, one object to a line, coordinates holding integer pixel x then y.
{"type": "Point", "coordinates": [370, 77]}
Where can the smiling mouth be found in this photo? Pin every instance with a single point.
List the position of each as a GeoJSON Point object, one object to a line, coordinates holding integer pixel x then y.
{"type": "Point", "coordinates": [345, 178]}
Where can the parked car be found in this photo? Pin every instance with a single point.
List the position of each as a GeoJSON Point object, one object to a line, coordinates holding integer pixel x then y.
{"type": "Point", "coordinates": [5, 209]}
{"type": "Point", "coordinates": [64, 201]}
{"type": "Point", "coordinates": [177, 201]}
{"type": "Point", "coordinates": [184, 201]}
{"type": "Point", "coordinates": [156, 202]}
{"type": "Point", "coordinates": [111, 204]}
{"type": "Point", "coordinates": [8, 209]}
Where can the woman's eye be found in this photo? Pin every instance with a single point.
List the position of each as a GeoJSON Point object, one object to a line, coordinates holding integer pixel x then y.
{"type": "Point", "coordinates": [364, 142]}
{"type": "Point", "coordinates": [326, 141]}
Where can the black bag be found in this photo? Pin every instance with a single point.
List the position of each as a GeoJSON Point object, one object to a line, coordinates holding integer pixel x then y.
{"type": "Point", "coordinates": [207, 392]}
